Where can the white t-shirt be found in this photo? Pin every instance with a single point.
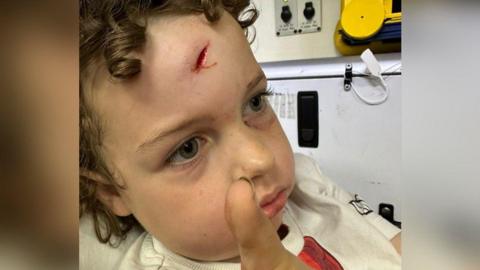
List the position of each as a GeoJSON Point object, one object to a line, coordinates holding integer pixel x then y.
{"type": "Point", "coordinates": [328, 227]}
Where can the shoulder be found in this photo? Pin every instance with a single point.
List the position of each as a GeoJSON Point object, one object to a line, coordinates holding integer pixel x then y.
{"type": "Point", "coordinates": [96, 255]}
{"type": "Point", "coordinates": [309, 175]}
{"type": "Point", "coordinates": [305, 168]}
{"type": "Point", "coordinates": [303, 163]}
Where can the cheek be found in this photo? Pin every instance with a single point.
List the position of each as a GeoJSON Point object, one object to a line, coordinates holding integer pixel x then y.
{"type": "Point", "coordinates": [180, 204]}
{"type": "Point", "coordinates": [282, 149]}
{"type": "Point", "coordinates": [206, 235]}
{"type": "Point", "coordinates": [189, 220]}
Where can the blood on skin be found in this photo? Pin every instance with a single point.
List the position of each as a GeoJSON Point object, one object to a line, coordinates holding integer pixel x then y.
{"type": "Point", "coordinates": [202, 60]}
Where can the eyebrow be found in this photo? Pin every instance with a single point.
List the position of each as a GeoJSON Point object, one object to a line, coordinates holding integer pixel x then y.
{"type": "Point", "coordinates": [155, 139]}
{"type": "Point", "coordinates": [260, 77]}
{"type": "Point", "coordinates": [188, 122]}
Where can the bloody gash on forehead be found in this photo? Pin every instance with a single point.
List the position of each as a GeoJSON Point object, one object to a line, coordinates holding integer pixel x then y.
{"type": "Point", "coordinates": [202, 60]}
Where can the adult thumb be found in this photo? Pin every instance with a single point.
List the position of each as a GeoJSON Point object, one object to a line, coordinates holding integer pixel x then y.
{"type": "Point", "coordinates": [257, 239]}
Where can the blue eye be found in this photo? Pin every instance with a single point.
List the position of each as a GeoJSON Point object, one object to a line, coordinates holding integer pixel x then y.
{"type": "Point", "coordinates": [258, 102]}
{"type": "Point", "coordinates": [187, 151]}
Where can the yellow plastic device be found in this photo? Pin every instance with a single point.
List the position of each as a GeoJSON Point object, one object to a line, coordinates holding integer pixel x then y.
{"type": "Point", "coordinates": [390, 16]}
{"type": "Point", "coordinates": [363, 19]}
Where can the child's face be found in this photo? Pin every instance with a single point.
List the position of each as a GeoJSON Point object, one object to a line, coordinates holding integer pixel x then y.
{"type": "Point", "coordinates": [178, 137]}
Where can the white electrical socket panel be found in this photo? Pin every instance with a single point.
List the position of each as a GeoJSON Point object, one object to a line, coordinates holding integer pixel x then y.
{"type": "Point", "coordinates": [286, 17]}
{"type": "Point", "coordinates": [309, 15]}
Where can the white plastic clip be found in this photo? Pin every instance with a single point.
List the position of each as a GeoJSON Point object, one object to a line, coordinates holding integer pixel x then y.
{"type": "Point", "coordinates": [373, 66]}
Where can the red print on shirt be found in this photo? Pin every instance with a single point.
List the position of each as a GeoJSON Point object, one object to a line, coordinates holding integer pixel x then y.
{"type": "Point", "coordinates": [317, 257]}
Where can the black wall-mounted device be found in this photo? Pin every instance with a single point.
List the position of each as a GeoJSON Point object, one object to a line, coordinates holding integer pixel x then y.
{"type": "Point", "coordinates": [386, 211]}
{"type": "Point", "coordinates": [307, 118]}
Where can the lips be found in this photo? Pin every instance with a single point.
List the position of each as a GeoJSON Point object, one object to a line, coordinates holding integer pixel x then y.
{"type": "Point", "coordinates": [273, 203]}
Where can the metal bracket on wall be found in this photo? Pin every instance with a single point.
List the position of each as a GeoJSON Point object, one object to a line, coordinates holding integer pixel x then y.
{"type": "Point", "coordinates": [347, 82]}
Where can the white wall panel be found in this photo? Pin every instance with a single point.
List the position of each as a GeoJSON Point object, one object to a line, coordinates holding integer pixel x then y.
{"type": "Point", "coordinates": [359, 145]}
{"type": "Point", "coordinates": [270, 48]}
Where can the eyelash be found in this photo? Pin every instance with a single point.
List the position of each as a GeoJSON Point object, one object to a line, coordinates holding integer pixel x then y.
{"type": "Point", "coordinates": [269, 91]}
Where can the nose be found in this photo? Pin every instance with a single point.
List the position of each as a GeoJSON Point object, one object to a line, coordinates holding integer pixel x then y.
{"type": "Point", "coordinates": [250, 155]}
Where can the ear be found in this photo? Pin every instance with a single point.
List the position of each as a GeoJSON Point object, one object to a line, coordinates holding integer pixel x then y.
{"type": "Point", "coordinates": [108, 194]}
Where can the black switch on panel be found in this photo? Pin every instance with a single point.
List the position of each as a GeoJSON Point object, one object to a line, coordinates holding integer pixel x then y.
{"type": "Point", "coordinates": [286, 14]}
{"type": "Point", "coordinates": [309, 11]}
{"type": "Point", "coordinates": [307, 118]}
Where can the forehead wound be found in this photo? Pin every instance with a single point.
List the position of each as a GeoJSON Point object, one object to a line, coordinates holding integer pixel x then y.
{"type": "Point", "coordinates": [202, 58]}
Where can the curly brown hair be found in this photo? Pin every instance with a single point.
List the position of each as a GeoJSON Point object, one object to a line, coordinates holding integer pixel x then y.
{"type": "Point", "coordinates": [110, 30]}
